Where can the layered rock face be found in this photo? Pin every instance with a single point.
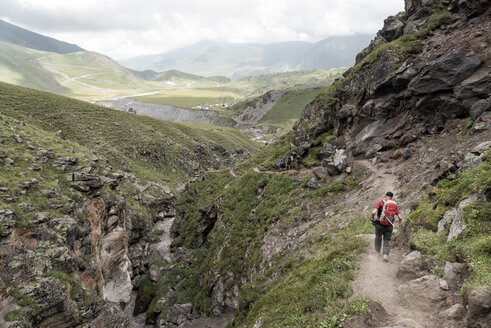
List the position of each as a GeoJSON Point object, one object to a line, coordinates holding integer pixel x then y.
{"type": "Point", "coordinates": [426, 66]}
{"type": "Point", "coordinates": [71, 247]}
{"type": "Point", "coordinates": [58, 265]}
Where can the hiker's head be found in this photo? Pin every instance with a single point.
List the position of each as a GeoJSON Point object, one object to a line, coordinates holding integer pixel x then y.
{"type": "Point", "coordinates": [389, 195]}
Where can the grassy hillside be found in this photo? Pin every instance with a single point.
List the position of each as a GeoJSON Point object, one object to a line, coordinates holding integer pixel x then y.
{"type": "Point", "coordinates": [18, 66]}
{"type": "Point", "coordinates": [181, 77]}
{"type": "Point", "coordinates": [25, 38]}
{"type": "Point", "coordinates": [157, 150]}
{"type": "Point", "coordinates": [288, 109]}
{"type": "Point", "coordinates": [289, 80]}
{"type": "Point", "coordinates": [91, 75]}
{"type": "Point", "coordinates": [215, 90]}
{"type": "Point", "coordinates": [84, 75]}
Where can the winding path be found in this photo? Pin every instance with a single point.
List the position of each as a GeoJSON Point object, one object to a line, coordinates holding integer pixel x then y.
{"type": "Point", "coordinates": [377, 279]}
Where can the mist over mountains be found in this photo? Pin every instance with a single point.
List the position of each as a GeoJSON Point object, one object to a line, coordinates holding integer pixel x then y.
{"type": "Point", "coordinates": [208, 58]}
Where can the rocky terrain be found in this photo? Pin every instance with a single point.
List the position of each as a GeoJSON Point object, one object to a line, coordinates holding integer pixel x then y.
{"type": "Point", "coordinates": [161, 112]}
{"type": "Point", "coordinates": [424, 68]}
{"type": "Point", "coordinates": [103, 228]}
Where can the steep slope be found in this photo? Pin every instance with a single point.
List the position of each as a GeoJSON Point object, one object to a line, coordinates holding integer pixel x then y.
{"type": "Point", "coordinates": [18, 66]}
{"type": "Point", "coordinates": [170, 151]}
{"type": "Point", "coordinates": [238, 60]}
{"type": "Point", "coordinates": [16, 35]}
{"type": "Point", "coordinates": [84, 75]}
{"type": "Point", "coordinates": [425, 67]}
{"type": "Point", "coordinates": [82, 191]}
{"type": "Point", "coordinates": [279, 248]}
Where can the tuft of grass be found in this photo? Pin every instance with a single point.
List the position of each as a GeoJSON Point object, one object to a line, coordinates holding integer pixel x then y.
{"type": "Point", "coordinates": [14, 315]}
{"type": "Point", "coordinates": [70, 280]}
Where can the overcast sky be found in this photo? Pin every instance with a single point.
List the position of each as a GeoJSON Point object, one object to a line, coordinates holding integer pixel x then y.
{"type": "Point", "coordinates": [125, 28]}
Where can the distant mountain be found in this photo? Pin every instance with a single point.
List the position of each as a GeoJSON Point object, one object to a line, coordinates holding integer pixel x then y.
{"type": "Point", "coordinates": [13, 34]}
{"type": "Point", "coordinates": [208, 58]}
{"type": "Point", "coordinates": [175, 75]}
{"type": "Point", "coordinates": [85, 75]}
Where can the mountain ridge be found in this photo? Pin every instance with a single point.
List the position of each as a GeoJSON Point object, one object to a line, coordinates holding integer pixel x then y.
{"type": "Point", "coordinates": [25, 38]}
{"type": "Point", "coordinates": [208, 58]}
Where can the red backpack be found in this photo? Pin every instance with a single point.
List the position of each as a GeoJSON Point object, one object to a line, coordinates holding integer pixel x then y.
{"type": "Point", "coordinates": [388, 213]}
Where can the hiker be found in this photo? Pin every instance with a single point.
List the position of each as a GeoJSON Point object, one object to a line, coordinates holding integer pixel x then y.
{"type": "Point", "coordinates": [289, 160]}
{"type": "Point", "coordinates": [281, 163]}
{"type": "Point", "coordinates": [386, 210]}
{"type": "Point", "coordinates": [299, 162]}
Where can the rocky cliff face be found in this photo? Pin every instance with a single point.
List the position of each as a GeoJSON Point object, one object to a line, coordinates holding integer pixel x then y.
{"type": "Point", "coordinates": [76, 236]}
{"type": "Point", "coordinates": [427, 66]}
{"type": "Point", "coordinates": [63, 250]}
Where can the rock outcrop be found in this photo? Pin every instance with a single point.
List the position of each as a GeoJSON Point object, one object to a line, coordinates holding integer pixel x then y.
{"type": "Point", "coordinates": [425, 67]}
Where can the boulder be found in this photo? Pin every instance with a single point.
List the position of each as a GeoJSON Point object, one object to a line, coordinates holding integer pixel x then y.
{"type": "Point", "coordinates": [447, 219]}
{"type": "Point", "coordinates": [410, 266]}
{"type": "Point", "coordinates": [327, 151]}
{"type": "Point", "coordinates": [441, 170]}
{"type": "Point", "coordinates": [479, 107]}
{"type": "Point", "coordinates": [154, 273]}
{"type": "Point", "coordinates": [319, 172]}
{"type": "Point", "coordinates": [402, 79]}
{"type": "Point", "coordinates": [179, 313]}
{"type": "Point", "coordinates": [477, 86]}
{"type": "Point", "coordinates": [445, 73]}
{"type": "Point", "coordinates": [455, 312]}
{"type": "Point", "coordinates": [112, 316]}
{"type": "Point", "coordinates": [313, 184]}
{"type": "Point", "coordinates": [483, 123]}
{"type": "Point", "coordinates": [479, 307]}
{"type": "Point", "coordinates": [458, 225]}
{"type": "Point", "coordinates": [422, 293]}
{"type": "Point", "coordinates": [406, 153]}
{"type": "Point", "coordinates": [456, 217]}
{"type": "Point", "coordinates": [51, 192]}
{"type": "Point", "coordinates": [346, 111]}
{"type": "Point", "coordinates": [85, 182]}
{"type": "Point", "coordinates": [481, 148]}
{"type": "Point", "coordinates": [393, 28]}
{"type": "Point", "coordinates": [444, 284]}
{"type": "Point", "coordinates": [331, 168]}
{"type": "Point", "coordinates": [341, 160]}
{"type": "Point", "coordinates": [455, 274]}
{"type": "Point", "coordinates": [7, 221]}
{"type": "Point", "coordinates": [471, 161]}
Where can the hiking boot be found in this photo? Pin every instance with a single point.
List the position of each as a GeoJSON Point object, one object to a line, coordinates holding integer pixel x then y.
{"type": "Point", "coordinates": [386, 258]}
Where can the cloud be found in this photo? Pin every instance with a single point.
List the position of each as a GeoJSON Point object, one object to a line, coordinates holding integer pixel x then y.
{"type": "Point", "coordinates": [124, 28]}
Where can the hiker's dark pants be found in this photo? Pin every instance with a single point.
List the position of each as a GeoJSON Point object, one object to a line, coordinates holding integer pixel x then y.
{"type": "Point", "coordinates": [386, 232]}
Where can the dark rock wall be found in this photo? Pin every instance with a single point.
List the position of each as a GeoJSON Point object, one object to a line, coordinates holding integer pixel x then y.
{"type": "Point", "coordinates": [425, 67]}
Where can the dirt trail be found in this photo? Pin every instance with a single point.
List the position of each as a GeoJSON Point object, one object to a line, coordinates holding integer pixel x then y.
{"type": "Point", "coordinates": [377, 279]}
